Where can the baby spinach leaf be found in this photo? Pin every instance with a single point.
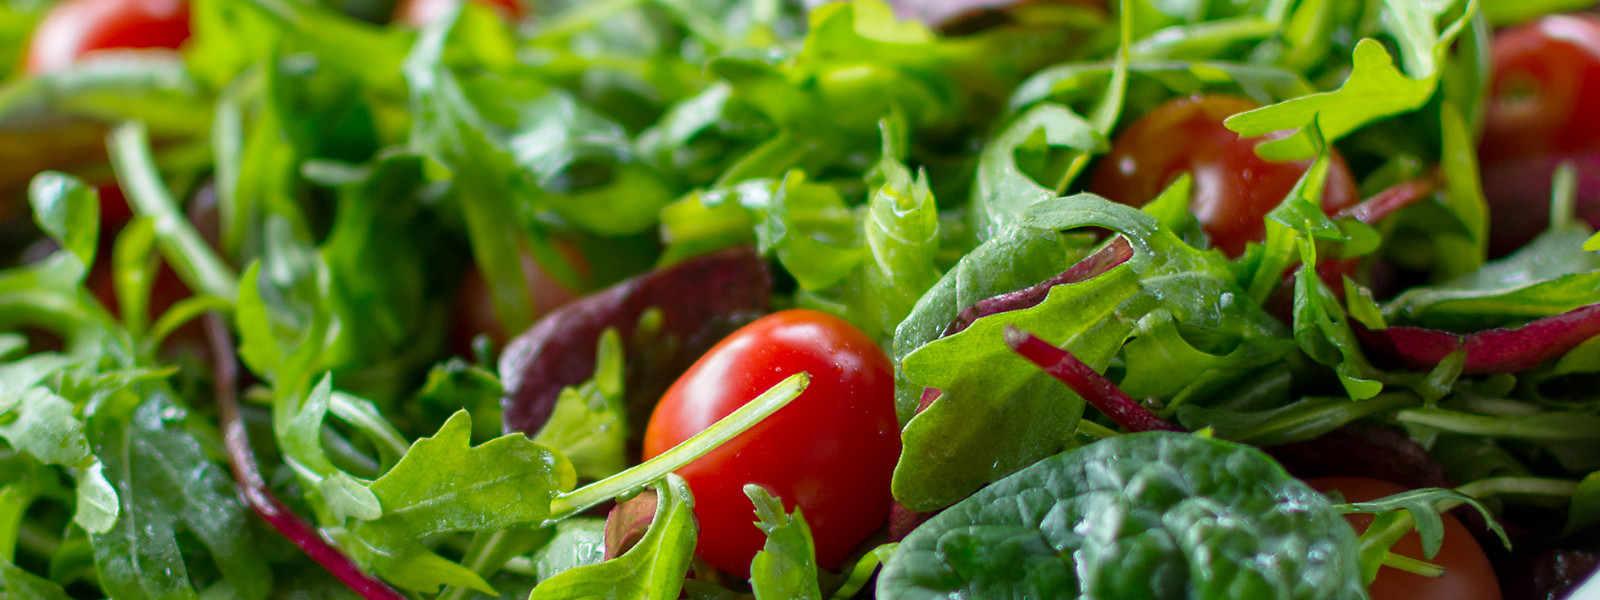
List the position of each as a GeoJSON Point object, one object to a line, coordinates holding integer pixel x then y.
{"type": "Point", "coordinates": [653, 569]}
{"type": "Point", "coordinates": [1147, 515]}
{"type": "Point", "coordinates": [786, 566]}
{"type": "Point", "coordinates": [445, 485]}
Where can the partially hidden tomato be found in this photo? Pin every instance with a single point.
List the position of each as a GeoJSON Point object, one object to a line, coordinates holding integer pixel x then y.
{"type": "Point", "coordinates": [419, 13]}
{"type": "Point", "coordinates": [1467, 572]}
{"type": "Point", "coordinates": [830, 452]}
{"type": "Point", "coordinates": [1543, 108]}
{"type": "Point", "coordinates": [1233, 188]}
{"type": "Point", "coordinates": [75, 28]}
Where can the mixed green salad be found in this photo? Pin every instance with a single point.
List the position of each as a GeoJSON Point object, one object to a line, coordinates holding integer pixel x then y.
{"type": "Point", "coordinates": [734, 298]}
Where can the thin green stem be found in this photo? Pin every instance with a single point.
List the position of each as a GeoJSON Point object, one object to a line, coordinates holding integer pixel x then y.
{"type": "Point", "coordinates": [194, 261]}
{"type": "Point", "coordinates": [637, 477]}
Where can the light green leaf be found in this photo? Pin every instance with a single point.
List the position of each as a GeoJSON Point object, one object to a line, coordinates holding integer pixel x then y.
{"type": "Point", "coordinates": [653, 569]}
{"type": "Point", "coordinates": [41, 423]}
{"type": "Point", "coordinates": [1375, 89]}
{"type": "Point", "coordinates": [445, 485]}
{"type": "Point", "coordinates": [96, 500]}
{"type": "Point", "coordinates": [589, 423]}
{"type": "Point", "coordinates": [785, 568]}
{"type": "Point", "coordinates": [68, 211]}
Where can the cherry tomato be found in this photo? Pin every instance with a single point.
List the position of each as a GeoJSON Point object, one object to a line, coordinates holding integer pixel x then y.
{"type": "Point", "coordinates": [1467, 572]}
{"type": "Point", "coordinates": [1233, 188]}
{"type": "Point", "coordinates": [75, 28]}
{"type": "Point", "coordinates": [1544, 107]}
{"type": "Point", "coordinates": [419, 13]}
{"type": "Point", "coordinates": [830, 452]}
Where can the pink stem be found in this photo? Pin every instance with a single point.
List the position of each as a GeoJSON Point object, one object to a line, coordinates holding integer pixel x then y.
{"type": "Point", "coordinates": [1093, 387]}
{"type": "Point", "coordinates": [253, 487]}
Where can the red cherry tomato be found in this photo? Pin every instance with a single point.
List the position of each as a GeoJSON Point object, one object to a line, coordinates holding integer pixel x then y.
{"type": "Point", "coordinates": [1233, 188]}
{"type": "Point", "coordinates": [1467, 572]}
{"type": "Point", "coordinates": [830, 452]}
{"type": "Point", "coordinates": [75, 28]}
{"type": "Point", "coordinates": [419, 13]}
{"type": "Point", "coordinates": [1544, 107]}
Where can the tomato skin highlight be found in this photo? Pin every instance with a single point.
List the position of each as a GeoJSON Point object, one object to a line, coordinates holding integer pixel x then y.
{"type": "Point", "coordinates": [419, 13]}
{"type": "Point", "coordinates": [1233, 188]}
{"type": "Point", "coordinates": [76, 28]}
{"type": "Point", "coordinates": [830, 452]}
{"type": "Point", "coordinates": [1468, 574]}
{"type": "Point", "coordinates": [1543, 108]}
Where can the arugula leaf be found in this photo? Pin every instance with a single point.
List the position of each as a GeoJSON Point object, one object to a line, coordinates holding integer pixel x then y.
{"type": "Point", "coordinates": [1117, 519]}
{"type": "Point", "coordinates": [654, 568]}
{"type": "Point", "coordinates": [22, 584]}
{"type": "Point", "coordinates": [165, 483]}
{"type": "Point", "coordinates": [589, 424]}
{"type": "Point", "coordinates": [445, 485]}
{"type": "Point", "coordinates": [68, 211]}
{"type": "Point", "coordinates": [1374, 90]}
{"type": "Point", "coordinates": [786, 565]}
{"type": "Point", "coordinates": [1543, 278]}
{"type": "Point", "coordinates": [1001, 191]}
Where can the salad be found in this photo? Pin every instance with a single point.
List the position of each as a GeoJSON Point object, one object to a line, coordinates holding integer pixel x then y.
{"type": "Point", "coordinates": [760, 298]}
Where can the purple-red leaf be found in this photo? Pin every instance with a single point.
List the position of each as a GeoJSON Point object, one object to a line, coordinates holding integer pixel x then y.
{"type": "Point", "coordinates": [1093, 387]}
{"type": "Point", "coordinates": [253, 487]}
{"type": "Point", "coordinates": [1489, 351]}
{"type": "Point", "coordinates": [699, 300]}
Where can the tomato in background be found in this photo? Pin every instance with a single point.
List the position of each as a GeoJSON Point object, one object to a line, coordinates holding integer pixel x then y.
{"type": "Point", "coordinates": [1233, 188]}
{"type": "Point", "coordinates": [472, 312]}
{"type": "Point", "coordinates": [830, 452]}
{"type": "Point", "coordinates": [1467, 572]}
{"type": "Point", "coordinates": [75, 28]}
{"type": "Point", "coordinates": [419, 13]}
{"type": "Point", "coordinates": [1543, 108]}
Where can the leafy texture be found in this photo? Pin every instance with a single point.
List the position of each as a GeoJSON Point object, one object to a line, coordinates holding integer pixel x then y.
{"type": "Point", "coordinates": [692, 297]}
{"type": "Point", "coordinates": [1153, 515]}
{"type": "Point", "coordinates": [167, 485]}
{"type": "Point", "coordinates": [590, 423]}
{"type": "Point", "coordinates": [654, 568]}
{"type": "Point", "coordinates": [786, 566]}
{"type": "Point", "coordinates": [444, 485]}
{"type": "Point", "coordinates": [989, 393]}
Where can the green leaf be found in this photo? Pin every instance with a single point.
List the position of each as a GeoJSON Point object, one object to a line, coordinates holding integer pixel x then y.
{"type": "Point", "coordinates": [1374, 90]}
{"type": "Point", "coordinates": [97, 506]}
{"type": "Point", "coordinates": [22, 584]}
{"type": "Point", "coordinates": [37, 421]}
{"type": "Point", "coordinates": [1463, 198]}
{"type": "Point", "coordinates": [785, 568]}
{"type": "Point", "coordinates": [1145, 515]}
{"type": "Point", "coordinates": [445, 485]}
{"type": "Point", "coordinates": [577, 542]}
{"type": "Point", "coordinates": [1544, 278]}
{"type": "Point", "coordinates": [589, 423]}
{"type": "Point", "coordinates": [68, 211]}
{"type": "Point", "coordinates": [166, 484]}
{"type": "Point", "coordinates": [989, 393]}
{"type": "Point", "coordinates": [1001, 191]}
{"type": "Point", "coordinates": [1584, 509]}
{"type": "Point", "coordinates": [1014, 259]}
{"type": "Point", "coordinates": [653, 569]}
{"type": "Point", "coordinates": [1300, 420]}
{"type": "Point", "coordinates": [1422, 504]}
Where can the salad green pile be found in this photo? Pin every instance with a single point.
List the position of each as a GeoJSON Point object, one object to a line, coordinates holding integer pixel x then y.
{"type": "Point", "coordinates": [318, 183]}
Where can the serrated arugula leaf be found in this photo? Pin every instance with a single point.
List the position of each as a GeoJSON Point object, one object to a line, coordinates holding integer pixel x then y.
{"type": "Point", "coordinates": [446, 485]}
{"type": "Point", "coordinates": [653, 569]}
{"type": "Point", "coordinates": [1374, 90]}
{"type": "Point", "coordinates": [589, 423]}
{"type": "Point", "coordinates": [1422, 504]}
{"type": "Point", "coordinates": [166, 484]}
{"type": "Point", "coordinates": [786, 565]}
{"type": "Point", "coordinates": [1001, 191]}
{"type": "Point", "coordinates": [1117, 519]}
